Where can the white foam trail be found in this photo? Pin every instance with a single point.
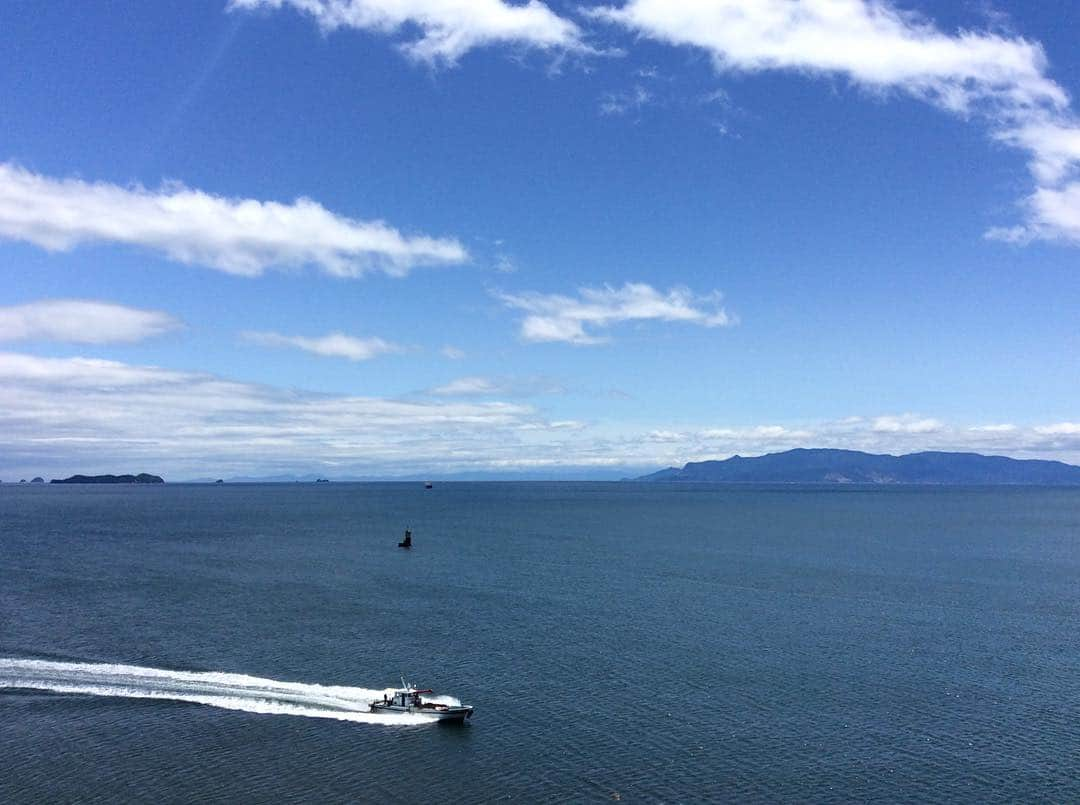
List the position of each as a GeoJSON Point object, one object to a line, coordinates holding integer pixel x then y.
{"type": "Point", "coordinates": [251, 694]}
{"type": "Point", "coordinates": [453, 701]}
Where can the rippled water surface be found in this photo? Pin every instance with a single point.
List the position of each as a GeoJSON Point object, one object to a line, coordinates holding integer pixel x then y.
{"type": "Point", "coordinates": [647, 643]}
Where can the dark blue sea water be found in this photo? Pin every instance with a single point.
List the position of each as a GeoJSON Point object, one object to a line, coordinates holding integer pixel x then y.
{"type": "Point", "coordinates": [647, 643]}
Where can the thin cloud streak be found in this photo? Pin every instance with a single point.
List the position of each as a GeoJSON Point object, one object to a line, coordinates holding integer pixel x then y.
{"type": "Point", "coordinates": [238, 236]}
{"type": "Point", "coordinates": [82, 321]}
{"type": "Point", "coordinates": [477, 386]}
{"type": "Point", "coordinates": [555, 318]}
{"type": "Point", "coordinates": [334, 345]}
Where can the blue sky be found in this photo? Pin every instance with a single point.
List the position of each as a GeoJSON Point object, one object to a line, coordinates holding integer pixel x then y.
{"type": "Point", "coordinates": [363, 237]}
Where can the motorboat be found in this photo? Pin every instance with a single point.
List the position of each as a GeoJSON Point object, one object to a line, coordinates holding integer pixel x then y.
{"type": "Point", "coordinates": [410, 700]}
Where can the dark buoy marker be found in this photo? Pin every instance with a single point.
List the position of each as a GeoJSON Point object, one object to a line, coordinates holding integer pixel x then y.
{"type": "Point", "coordinates": [407, 542]}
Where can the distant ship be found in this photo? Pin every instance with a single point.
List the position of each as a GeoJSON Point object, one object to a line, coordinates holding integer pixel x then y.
{"type": "Point", "coordinates": [407, 542]}
{"type": "Point", "coordinates": [427, 484]}
{"type": "Point", "coordinates": [407, 700]}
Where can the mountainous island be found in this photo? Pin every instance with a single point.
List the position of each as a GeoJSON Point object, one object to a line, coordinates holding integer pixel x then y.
{"type": "Point", "coordinates": [141, 478]}
{"type": "Point", "coordinates": [813, 466]}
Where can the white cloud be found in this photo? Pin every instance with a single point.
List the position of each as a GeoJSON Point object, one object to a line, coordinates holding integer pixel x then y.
{"type": "Point", "coordinates": [238, 236]}
{"type": "Point", "coordinates": [906, 423]}
{"type": "Point", "coordinates": [1054, 144]}
{"type": "Point", "coordinates": [452, 352]}
{"type": "Point", "coordinates": [757, 434]}
{"type": "Point", "coordinates": [872, 43]}
{"type": "Point", "coordinates": [334, 345]}
{"type": "Point", "coordinates": [554, 317]}
{"type": "Point", "coordinates": [1060, 429]}
{"type": "Point", "coordinates": [665, 436]}
{"type": "Point", "coordinates": [448, 28]}
{"type": "Point", "coordinates": [1053, 214]}
{"type": "Point", "coordinates": [1003, 428]}
{"type": "Point", "coordinates": [560, 424]}
{"type": "Point", "coordinates": [566, 424]}
{"type": "Point", "coordinates": [79, 373]}
{"type": "Point", "coordinates": [879, 47]}
{"type": "Point", "coordinates": [82, 321]}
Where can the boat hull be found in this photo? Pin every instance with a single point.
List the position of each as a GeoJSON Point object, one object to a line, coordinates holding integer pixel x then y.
{"type": "Point", "coordinates": [441, 713]}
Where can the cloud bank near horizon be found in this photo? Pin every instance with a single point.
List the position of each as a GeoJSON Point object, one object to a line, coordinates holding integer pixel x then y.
{"type": "Point", "coordinates": [64, 415]}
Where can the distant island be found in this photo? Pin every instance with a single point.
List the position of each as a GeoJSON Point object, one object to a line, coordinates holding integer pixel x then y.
{"type": "Point", "coordinates": [141, 478]}
{"type": "Point", "coordinates": [824, 466]}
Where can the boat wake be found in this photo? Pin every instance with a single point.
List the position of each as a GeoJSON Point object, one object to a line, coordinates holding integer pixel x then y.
{"type": "Point", "coordinates": [229, 691]}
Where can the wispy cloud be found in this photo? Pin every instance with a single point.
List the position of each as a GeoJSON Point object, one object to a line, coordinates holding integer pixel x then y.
{"type": "Point", "coordinates": [625, 101]}
{"type": "Point", "coordinates": [478, 386]}
{"type": "Point", "coordinates": [466, 386]}
{"type": "Point", "coordinates": [452, 353]}
{"type": "Point", "coordinates": [448, 28]}
{"type": "Point", "coordinates": [238, 236]}
{"type": "Point", "coordinates": [554, 317]}
{"type": "Point", "coordinates": [82, 321]}
{"type": "Point", "coordinates": [504, 264]}
{"type": "Point", "coordinates": [333, 345]}
{"type": "Point", "coordinates": [1001, 79]}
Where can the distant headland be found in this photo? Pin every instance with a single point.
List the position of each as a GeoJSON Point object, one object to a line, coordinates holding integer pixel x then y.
{"type": "Point", "coordinates": [141, 478]}
{"type": "Point", "coordinates": [824, 466]}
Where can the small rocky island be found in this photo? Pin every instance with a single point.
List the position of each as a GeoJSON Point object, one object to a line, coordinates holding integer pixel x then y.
{"type": "Point", "coordinates": [141, 478]}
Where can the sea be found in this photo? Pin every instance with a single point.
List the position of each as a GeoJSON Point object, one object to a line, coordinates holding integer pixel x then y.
{"type": "Point", "coordinates": [619, 642]}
